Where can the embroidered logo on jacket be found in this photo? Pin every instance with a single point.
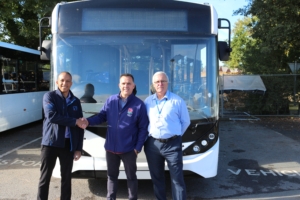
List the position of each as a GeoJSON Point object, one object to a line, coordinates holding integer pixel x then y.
{"type": "Point", "coordinates": [49, 105]}
{"type": "Point", "coordinates": [129, 112]}
{"type": "Point", "coordinates": [75, 108]}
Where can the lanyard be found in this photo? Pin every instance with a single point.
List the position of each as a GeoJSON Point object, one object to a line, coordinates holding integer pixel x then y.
{"type": "Point", "coordinates": [159, 111]}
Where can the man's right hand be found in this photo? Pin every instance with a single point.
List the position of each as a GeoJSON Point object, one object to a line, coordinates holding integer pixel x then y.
{"type": "Point", "coordinates": [82, 123]}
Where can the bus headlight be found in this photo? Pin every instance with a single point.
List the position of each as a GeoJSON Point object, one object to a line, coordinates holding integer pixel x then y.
{"type": "Point", "coordinates": [211, 136]}
{"type": "Point", "coordinates": [196, 149]}
{"type": "Point", "coordinates": [204, 143]}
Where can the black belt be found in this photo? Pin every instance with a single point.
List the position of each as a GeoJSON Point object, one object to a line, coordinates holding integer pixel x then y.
{"type": "Point", "coordinates": [165, 140]}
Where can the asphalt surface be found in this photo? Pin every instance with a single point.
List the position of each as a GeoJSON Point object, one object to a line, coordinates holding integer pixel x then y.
{"type": "Point", "coordinates": [257, 160]}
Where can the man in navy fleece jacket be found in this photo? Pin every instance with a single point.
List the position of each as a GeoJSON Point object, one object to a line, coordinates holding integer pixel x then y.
{"type": "Point", "coordinates": [127, 124]}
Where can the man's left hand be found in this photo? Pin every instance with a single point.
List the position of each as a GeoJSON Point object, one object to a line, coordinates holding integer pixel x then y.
{"type": "Point", "coordinates": [77, 155]}
{"type": "Point", "coordinates": [136, 152]}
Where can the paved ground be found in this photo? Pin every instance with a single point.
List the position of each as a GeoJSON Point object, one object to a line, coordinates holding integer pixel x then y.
{"type": "Point", "coordinates": [256, 161]}
{"type": "Point", "coordinates": [288, 126]}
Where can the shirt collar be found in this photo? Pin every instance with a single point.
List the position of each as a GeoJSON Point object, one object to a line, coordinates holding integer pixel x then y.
{"type": "Point", "coordinates": [167, 95]}
{"type": "Point", "coordinates": [128, 98]}
{"type": "Point", "coordinates": [69, 96]}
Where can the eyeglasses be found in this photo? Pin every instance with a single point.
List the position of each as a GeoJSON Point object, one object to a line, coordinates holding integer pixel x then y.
{"type": "Point", "coordinates": [163, 81]}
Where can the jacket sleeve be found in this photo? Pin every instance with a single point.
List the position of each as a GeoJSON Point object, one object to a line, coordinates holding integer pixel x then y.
{"type": "Point", "coordinates": [143, 123]}
{"type": "Point", "coordinates": [51, 110]}
{"type": "Point", "coordinates": [100, 117]}
{"type": "Point", "coordinates": [80, 130]}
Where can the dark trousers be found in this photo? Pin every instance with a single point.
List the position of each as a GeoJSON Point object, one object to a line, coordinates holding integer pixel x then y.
{"type": "Point", "coordinates": [113, 164]}
{"type": "Point", "coordinates": [48, 160]}
{"type": "Point", "coordinates": [171, 152]}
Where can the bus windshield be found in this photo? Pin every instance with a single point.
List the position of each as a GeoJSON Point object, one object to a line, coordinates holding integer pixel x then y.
{"type": "Point", "coordinates": [99, 60]}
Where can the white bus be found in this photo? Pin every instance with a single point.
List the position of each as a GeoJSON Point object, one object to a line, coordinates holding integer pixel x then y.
{"type": "Point", "coordinates": [24, 80]}
{"type": "Point", "coordinates": [97, 41]}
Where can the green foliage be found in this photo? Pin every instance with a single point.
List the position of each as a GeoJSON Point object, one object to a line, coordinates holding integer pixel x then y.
{"type": "Point", "coordinates": [258, 60]}
{"type": "Point", "coordinates": [19, 20]}
{"type": "Point", "coordinates": [275, 100]}
{"type": "Point", "coordinates": [251, 55]}
{"type": "Point", "coordinates": [263, 43]}
{"type": "Point", "coordinates": [240, 42]}
{"type": "Point", "coordinates": [277, 25]}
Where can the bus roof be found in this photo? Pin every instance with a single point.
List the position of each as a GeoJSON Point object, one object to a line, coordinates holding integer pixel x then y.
{"type": "Point", "coordinates": [14, 51]}
{"type": "Point", "coordinates": [68, 17]}
{"type": "Point", "coordinates": [18, 48]}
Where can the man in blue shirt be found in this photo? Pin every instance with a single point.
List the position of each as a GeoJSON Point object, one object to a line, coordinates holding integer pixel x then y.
{"type": "Point", "coordinates": [169, 118]}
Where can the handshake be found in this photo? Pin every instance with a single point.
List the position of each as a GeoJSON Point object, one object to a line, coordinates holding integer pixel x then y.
{"type": "Point", "coordinates": [82, 123]}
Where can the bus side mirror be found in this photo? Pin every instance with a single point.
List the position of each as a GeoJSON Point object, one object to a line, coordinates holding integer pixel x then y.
{"type": "Point", "coordinates": [224, 51]}
{"type": "Point", "coordinates": [45, 50]}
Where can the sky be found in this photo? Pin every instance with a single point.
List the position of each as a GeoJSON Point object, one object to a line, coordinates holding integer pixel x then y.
{"type": "Point", "coordinates": [225, 9]}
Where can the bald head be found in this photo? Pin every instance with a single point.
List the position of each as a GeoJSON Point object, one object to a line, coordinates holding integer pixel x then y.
{"type": "Point", "coordinates": [64, 83]}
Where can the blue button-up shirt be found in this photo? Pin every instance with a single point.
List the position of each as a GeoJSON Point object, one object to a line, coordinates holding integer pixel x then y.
{"type": "Point", "coordinates": [168, 116]}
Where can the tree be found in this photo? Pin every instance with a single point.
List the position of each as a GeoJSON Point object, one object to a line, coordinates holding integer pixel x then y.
{"type": "Point", "coordinates": [264, 45]}
{"type": "Point", "coordinates": [277, 26]}
{"type": "Point", "coordinates": [19, 20]}
{"type": "Point", "coordinates": [241, 41]}
{"type": "Point", "coordinates": [249, 54]}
